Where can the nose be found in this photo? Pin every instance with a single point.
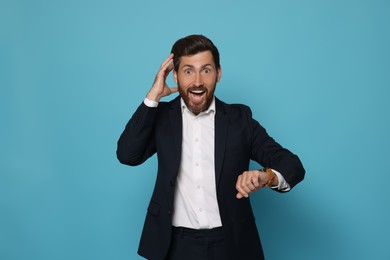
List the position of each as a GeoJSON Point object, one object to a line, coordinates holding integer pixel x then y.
{"type": "Point", "coordinates": [198, 79]}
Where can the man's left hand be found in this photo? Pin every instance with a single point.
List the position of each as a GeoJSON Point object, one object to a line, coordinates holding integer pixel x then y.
{"type": "Point", "coordinates": [250, 181]}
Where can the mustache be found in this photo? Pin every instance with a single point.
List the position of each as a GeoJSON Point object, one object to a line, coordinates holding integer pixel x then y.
{"type": "Point", "coordinates": [197, 88]}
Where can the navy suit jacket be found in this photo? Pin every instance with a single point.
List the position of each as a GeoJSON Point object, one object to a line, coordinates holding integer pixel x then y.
{"type": "Point", "coordinates": [238, 139]}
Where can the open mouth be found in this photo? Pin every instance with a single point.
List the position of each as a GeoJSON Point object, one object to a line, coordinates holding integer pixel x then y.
{"type": "Point", "coordinates": [197, 92]}
{"type": "Point", "coordinates": [197, 95]}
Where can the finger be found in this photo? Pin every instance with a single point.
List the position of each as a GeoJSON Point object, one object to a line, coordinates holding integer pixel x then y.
{"type": "Point", "coordinates": [240, 188]}
{"type": "Point", "coordinates": [174, 89]}
{"type": "Point", "coordinates": [165, 70]}
{"type": "Point", "coordinates": [167, 90]}
{"type": "Point", "coordinates": [168, 61]}
{"type": "Point", "coordinates": [241, 195]}
{"type": "Point", "coordinates": [255, 181]}
{"type": "Point", "coordinates": [163, 74]}
{"type": "Point", "coordinates": [251, 185]}
{"type": "Point", "coordinates": [246, 183]}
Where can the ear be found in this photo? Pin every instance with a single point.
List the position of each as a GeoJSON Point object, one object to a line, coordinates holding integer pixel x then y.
{"type": "Point", "coordinates": [219, 74]}
{"type": "Point", "coordinates": [175, 76]}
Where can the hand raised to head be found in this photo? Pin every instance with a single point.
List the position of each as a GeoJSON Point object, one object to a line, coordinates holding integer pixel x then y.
{"type": "Point", "coordinates": [160, 87]}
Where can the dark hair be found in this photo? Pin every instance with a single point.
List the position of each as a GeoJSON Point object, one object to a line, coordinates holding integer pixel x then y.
{"type": "Point", "coordinates": [192, 45]}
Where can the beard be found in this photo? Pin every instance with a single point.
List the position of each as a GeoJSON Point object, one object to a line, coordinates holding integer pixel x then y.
{"type": "Point", "coordinates": [197, 98]}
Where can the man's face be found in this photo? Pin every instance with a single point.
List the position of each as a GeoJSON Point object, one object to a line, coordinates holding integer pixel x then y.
{"type": "Point", "coordinates": [196, 78]}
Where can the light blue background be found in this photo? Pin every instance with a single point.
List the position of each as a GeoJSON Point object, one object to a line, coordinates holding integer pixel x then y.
{"type": "Point", "coordinates": [316, 74]}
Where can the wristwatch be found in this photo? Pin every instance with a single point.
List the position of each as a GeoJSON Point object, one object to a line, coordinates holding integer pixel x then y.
{"type": "Point", "coordinates": [271, 177]}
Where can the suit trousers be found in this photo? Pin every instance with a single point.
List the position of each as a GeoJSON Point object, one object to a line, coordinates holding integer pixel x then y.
{"type": "Point", "coordinates": [194, 244]}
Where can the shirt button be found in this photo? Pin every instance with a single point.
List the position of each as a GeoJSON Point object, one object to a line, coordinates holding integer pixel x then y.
{"type": "Point", "coordinates": [198, 187]}
{"type": "Point", "coordinates": [200, 210]}
{"type": "Point", "coordinates": [196, 164]}
{"type": "Point", "coordinates": [196, 140]}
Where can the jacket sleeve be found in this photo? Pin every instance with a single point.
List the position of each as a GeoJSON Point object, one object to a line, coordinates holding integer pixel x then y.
{"type": "Point", "coordinates": [137, 142]}
{"type": "Point", "coordinates": [270, 154]}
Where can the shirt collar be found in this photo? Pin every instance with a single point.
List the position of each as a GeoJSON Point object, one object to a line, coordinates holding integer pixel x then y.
{"type": "Point", "coordinates": [211, 108]}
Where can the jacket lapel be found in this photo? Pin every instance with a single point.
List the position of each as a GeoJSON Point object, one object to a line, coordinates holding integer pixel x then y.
{"type": "Point", "coordinates": [175, 118]}
{"type": "Point", "coordinates": [221, 131]}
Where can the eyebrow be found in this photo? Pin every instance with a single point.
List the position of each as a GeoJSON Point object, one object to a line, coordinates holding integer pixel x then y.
{"type": "Point", "coordinates": [192, 66]}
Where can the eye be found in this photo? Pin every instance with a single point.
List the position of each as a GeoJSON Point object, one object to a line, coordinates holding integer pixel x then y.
{"type": "Point", "coordinates": [206, 71]}
{"type": "Point", "coordinates": [187, 72]}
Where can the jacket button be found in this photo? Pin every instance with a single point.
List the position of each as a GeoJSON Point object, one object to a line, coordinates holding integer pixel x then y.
{"type": "Point", "coordinates": [169, 212]}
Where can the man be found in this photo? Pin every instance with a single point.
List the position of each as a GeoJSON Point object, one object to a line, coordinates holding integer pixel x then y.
{"type": "Point", "coordinates": [200, 207]}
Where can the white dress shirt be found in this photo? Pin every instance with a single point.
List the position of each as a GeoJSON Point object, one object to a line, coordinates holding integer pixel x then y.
{"type": "Point", "coordinates": [195, 204]}
{"type": "Point", "coordinates": [195, 201]}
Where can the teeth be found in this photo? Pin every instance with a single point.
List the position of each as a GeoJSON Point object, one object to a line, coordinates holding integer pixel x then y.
{"type": "Point", "coordinates": [197, 91]}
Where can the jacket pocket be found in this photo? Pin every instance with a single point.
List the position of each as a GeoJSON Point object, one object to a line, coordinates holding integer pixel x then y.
{"type": "Point", "coordinates": [154, 208]}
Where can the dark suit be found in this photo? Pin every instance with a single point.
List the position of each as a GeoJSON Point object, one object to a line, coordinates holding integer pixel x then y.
{"type": "Point", "coordinates": [238, 139]}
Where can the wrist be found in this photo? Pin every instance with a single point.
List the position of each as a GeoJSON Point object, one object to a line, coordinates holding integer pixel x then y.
{"type": "Point", "coordinates": [272, 178]}
{"type": "Point", "coordinates": [153, 97]}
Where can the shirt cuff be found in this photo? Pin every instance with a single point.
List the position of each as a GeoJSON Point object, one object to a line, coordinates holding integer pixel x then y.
{"type": "Point", "coordinates": [150, 103]}
{"type": "Point", "coordinates": [283, 185]}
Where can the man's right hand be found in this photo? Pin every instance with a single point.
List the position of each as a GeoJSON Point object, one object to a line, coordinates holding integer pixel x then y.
{"type": "Point", "coordinates": [160, 87]}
